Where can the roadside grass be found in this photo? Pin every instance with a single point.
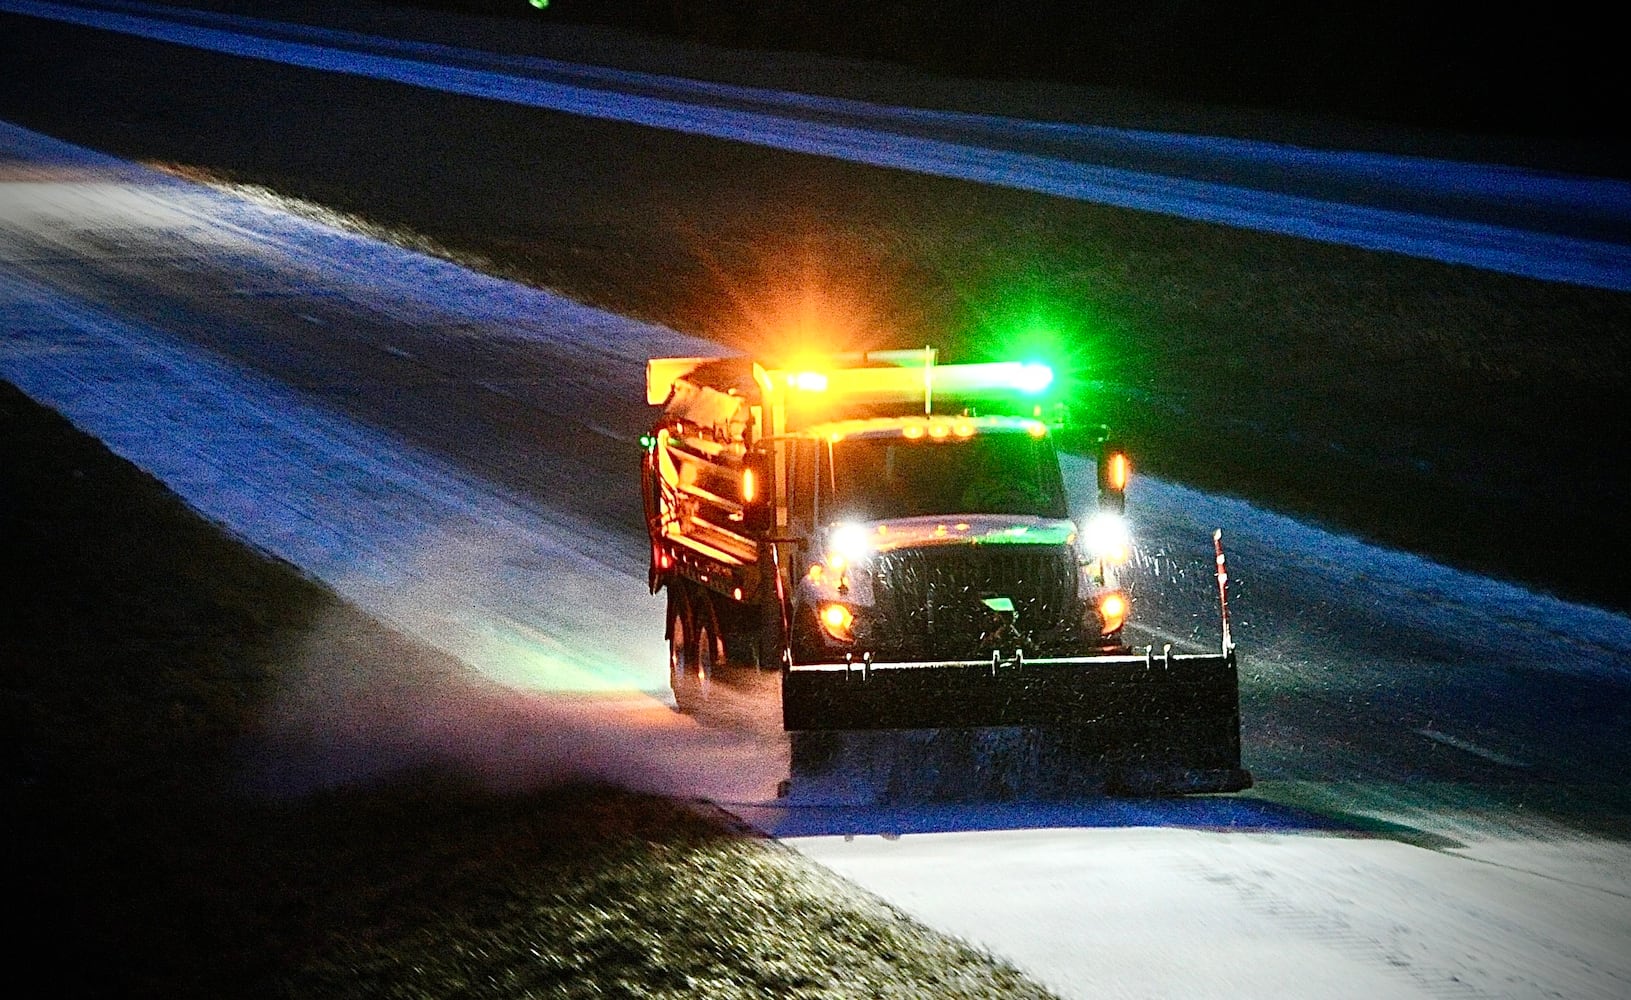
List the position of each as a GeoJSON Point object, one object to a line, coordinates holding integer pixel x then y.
{"type": "Point", "coordinates": [141, 645]}
{"type": "Point", "coordinates": [1469, 416]}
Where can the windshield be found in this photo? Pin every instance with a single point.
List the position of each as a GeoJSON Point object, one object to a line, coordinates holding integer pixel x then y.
{"type": "Point", "coordinates": [1006, 473]}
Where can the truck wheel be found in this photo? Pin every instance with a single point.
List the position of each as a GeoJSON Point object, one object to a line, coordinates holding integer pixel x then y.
{"type": "Point", "coordinates": [692, 659]}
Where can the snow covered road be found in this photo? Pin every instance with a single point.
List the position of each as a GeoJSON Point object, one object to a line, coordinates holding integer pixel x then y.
{"type": "Point", "coordinates": [1517, 221]}
{"type": "Point", "coordinates": [1441, 759]}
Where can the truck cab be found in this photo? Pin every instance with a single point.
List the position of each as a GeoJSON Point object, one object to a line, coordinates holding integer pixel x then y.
{"type": "Point", "coordinates": [871, 509]}
{"type": "Point", "coordinates": [941, 537]}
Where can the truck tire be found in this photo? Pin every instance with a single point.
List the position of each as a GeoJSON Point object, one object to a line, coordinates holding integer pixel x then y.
{"type": "Point", "coordinates": [682, 656]}
{"type": "Point", "coordinates": [694, 661]}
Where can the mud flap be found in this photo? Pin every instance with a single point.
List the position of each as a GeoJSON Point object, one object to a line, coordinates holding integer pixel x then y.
{"type": "Point", "coordinates": [1049, 728]}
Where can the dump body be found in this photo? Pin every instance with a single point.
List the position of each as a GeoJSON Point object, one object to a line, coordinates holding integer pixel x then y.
{"type": "Point", "coordinates": [895, 540]}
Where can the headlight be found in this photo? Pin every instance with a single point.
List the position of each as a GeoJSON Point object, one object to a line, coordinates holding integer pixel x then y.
{"type": "Point", "coordinates": [847, 545]}
{"type": "Point", "coordinates": [1107, 537]}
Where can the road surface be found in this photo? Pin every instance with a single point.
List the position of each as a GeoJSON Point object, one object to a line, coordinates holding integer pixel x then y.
{"type": "Point", "coordinates": [1441, 803]}
{"type": "Point", "coordinates": [1517, 221]}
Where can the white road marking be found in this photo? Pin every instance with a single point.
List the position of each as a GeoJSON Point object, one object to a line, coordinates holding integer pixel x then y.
{"type": "Point", "coordinates": [1468, 746]}
{"type": "Point", "coordinates": [714, 113]}
{"type": "Point", "coordinates": [607, 432]}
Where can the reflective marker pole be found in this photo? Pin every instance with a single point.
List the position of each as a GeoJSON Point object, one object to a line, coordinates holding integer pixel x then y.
{"type": "Point", "coordinates": [1223, 589]}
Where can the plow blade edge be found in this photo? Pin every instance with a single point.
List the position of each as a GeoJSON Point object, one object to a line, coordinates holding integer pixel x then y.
{"type": "Point", "coordinates": [1144, 723]}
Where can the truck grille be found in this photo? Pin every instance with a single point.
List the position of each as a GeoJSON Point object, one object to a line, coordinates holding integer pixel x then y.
{"type": "Point", "coordinates": [928, 601]}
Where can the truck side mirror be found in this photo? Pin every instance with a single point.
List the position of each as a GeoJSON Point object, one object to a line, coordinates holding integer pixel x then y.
{"type": "Point", "coordinates": [758, 491]}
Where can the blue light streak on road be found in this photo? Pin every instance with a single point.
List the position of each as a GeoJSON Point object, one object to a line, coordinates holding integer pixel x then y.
{"type": "Point", "coordinates": [893, 138]}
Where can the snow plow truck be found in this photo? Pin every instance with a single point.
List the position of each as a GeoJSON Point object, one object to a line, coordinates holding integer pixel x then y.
{"type": "Point", "coordinates": [891, 537]}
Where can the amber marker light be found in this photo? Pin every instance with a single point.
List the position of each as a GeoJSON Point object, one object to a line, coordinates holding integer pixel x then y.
{"type": "Point", "coordinates": [1112, 611]}
{"type": "Point", "coordinates": [750, 486]}
{"type": "Point", "coordinates": [1119, 470]}
{"type": "Point", "coordinates": [837, 619]}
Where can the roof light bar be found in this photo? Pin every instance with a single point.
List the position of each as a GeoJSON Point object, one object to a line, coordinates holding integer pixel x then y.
{"type": "Point", "coordinates": [896, 384]}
